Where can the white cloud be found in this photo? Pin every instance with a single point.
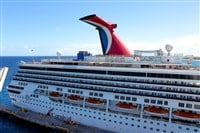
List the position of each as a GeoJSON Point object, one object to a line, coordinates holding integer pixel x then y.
{"type": "Point", "coordinates": [72, 49]}
{"type": "Point", "coordinates": [188, 45]}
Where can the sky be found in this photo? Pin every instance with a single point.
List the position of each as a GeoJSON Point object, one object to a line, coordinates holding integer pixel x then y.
{"type": "Point", "coordinates": [41, 28]}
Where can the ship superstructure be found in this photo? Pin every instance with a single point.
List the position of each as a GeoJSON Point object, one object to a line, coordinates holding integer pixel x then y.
{"type": "Point", "coordinates": [121, 93]}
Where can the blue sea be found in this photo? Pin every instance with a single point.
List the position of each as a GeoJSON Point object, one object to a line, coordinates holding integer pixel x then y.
{"type": "Point", "coordinates": [10, 124]}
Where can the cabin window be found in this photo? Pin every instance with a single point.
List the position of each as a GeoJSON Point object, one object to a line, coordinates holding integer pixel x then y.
{"type": "Point", "coordinates": [181, 104]}
{"type": "Point", "coordinates": [153, 101]}
{"type": "Point", "coordinates": [146, 100]}
{"type": "Point", "coordinates": [116, 97]}
{"type": "Point", "coordinates": [165, 102]}
{"type": "Point", "coordinates": [122, 97]}
{"type": "Point", "coordinates": [101, 95]}
{"type": "Point", "coordinates": [134, 99]}
{"type": "Point", "coordinates": [159, 102]}
{"type": "Point", "coordinates": [128, 98]}
{"type": "Point", "coordinates": [197, 106]}
{"type": "Point", "coordinates": [188, 105]}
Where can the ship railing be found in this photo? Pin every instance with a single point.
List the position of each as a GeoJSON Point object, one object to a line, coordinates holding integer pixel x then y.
{"type": "Point", "coordinates": [132, 64]}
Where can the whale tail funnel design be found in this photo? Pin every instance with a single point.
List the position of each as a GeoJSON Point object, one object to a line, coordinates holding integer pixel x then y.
{"type": "Point", "coordinates": [111, 44]}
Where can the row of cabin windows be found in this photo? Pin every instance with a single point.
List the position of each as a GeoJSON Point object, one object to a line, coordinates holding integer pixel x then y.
{"type": "Point", "coordinates": [160, 94]}
{"type": "Point", "coordinates": [59, 89]}
{"type": "Point", "coordinates": [34, 95]}
{"type": "Point", "coordinates": [22, 83]}
{"type": "Point", "coordinates": [177, 89]}
{"type": "Point", "coordinates": [16, 87]}
{"type": "Point", "coordinates": [75, 91]}
{"type": "Point", "coordinates": [13, 91]}
{"type": "Point", "coordinates": [111, 89]}
{"type": "Point", "coordinates": [96, 94]}
{"type": "Point", "coordinates": [154, 101]}
{"type": "Point", "coordinates": [127, 98]}
{"type": "Point", "coordinates": [139, 74]}
{"type": "Point", "coordinates": [151, 81]}
{"type": "Point", "coordinates": [134, 86]}
{"type": "Point", "coordinates": [43, 86]}
{"type": "Point", "coordinates": [188, 105]}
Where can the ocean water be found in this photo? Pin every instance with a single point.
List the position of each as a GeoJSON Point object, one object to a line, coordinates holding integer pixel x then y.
{"type": "Point", "coordinates": [10, 124]}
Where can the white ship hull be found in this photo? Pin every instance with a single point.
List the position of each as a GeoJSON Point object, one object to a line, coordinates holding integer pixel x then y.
{"type": "Point", "coordinates": [108, 121]}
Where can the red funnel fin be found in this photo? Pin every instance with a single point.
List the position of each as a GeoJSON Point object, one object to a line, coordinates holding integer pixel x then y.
{"type": "Point", "coordinates": [111, 44]}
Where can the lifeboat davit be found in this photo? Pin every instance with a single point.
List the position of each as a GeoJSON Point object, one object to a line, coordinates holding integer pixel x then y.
{"type": "Point", "coordinates": [181, 114]}
{"type": "Point", "coordinates": [75, 98]}
{"type": "Point", "coordinates": [94, 101]}
{"type": "Point", "coordinates": [157, 111]}
{"type": "Point", "coordinates": [55, 94]}
{"type": "Point", "coordinates": [124, 105]}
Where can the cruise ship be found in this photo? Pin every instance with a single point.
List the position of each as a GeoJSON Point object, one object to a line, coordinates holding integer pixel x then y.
{"type": "Point", "coordinates": [147, 91]}
{"type": "Point", "coordinates": [3, 73]}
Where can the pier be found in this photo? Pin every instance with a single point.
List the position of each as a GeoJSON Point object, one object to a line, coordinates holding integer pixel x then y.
{"type": "Point", "coordinates": [50, 122]}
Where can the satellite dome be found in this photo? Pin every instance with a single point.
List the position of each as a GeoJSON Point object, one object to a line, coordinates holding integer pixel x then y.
{"type": "Point", "coordinates": [59, 54]}
{"type": "Point", "coordinates": [169, 48]}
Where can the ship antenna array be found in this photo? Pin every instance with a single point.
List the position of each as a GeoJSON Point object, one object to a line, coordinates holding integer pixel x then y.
{"type": "Point", "coordinates": [33, 58]}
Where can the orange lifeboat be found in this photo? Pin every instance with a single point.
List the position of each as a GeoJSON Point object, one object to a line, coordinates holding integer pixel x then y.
{"type": "Point", "coordinates": [124, 105]}
{"type": "Point", "coordinates": [55, 94]}
{"type": "Point", "coordinates": [158, 111]}
{"type": "Point", "coordinates": [181, 114]}
{"type": "Point", "coordinates": [75, 98]}
{"type": "Point", "coordinates": [94, 101]}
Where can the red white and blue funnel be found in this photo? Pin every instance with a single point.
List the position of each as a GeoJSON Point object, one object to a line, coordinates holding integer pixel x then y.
{"type": "Point", "coordinates": [111, 44]}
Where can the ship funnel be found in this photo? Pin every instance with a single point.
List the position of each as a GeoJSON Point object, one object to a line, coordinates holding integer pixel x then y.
{"type": "Point", "coordinates": [111, 44]}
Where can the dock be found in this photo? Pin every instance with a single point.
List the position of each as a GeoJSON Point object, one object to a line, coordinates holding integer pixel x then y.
{"type": "Point", "coordinates": [50, 122]}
